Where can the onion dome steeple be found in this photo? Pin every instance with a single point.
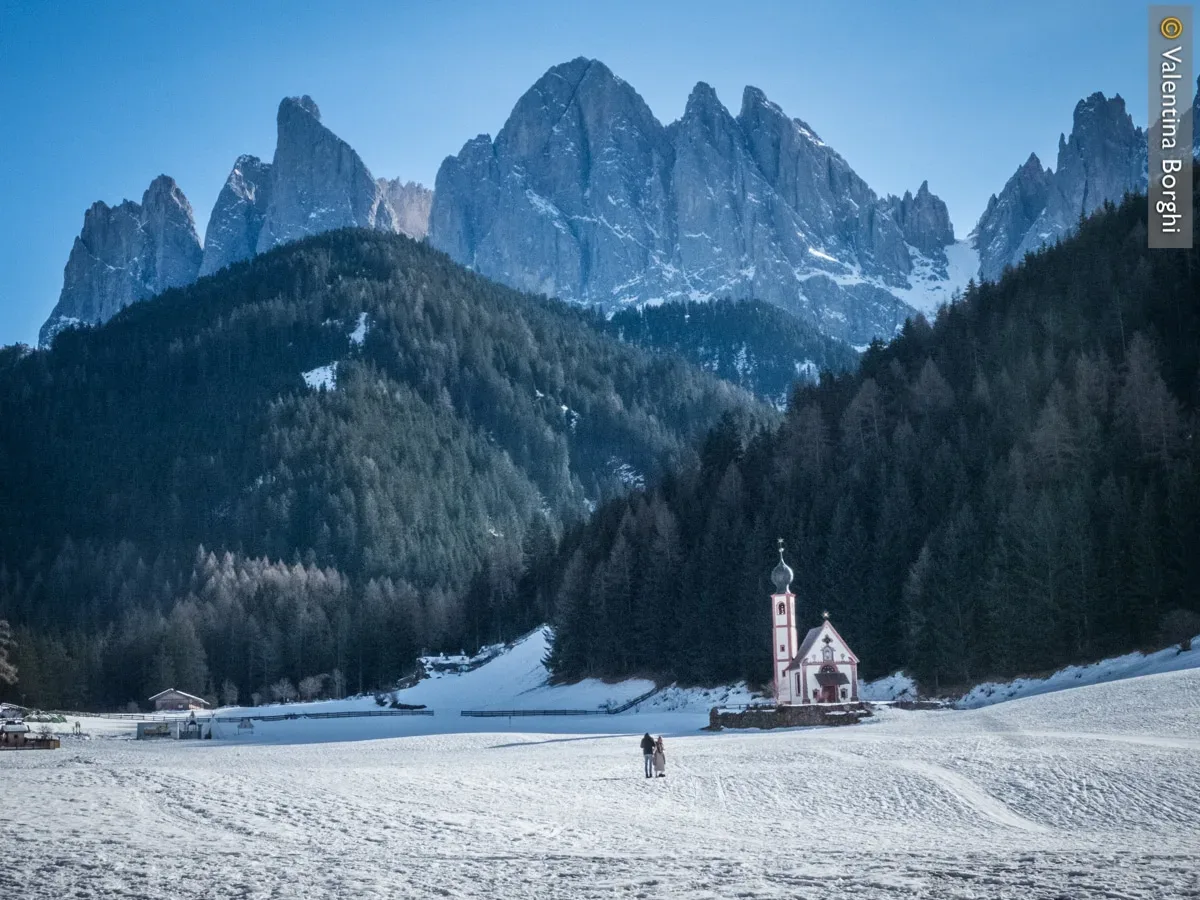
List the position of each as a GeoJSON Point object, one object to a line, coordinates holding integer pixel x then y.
{"type": "Point", "coordinates": [781, 576]}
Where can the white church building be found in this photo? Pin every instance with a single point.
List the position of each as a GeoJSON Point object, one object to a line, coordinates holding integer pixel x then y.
{"type": "Point", "coordinates": [820, 669]}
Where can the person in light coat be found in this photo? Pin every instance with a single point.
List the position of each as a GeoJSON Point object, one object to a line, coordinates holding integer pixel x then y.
{"type": "Point", "coordinates": [660, 758]}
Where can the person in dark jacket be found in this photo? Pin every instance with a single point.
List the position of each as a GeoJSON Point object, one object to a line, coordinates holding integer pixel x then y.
{"type": "Point", "coordinates": [648, 754]}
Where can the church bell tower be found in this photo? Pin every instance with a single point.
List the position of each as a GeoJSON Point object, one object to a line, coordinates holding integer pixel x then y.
{"type": "Point", "coordinates": [783, 617]}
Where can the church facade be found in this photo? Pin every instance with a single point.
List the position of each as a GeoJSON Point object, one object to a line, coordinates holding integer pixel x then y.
{"type": "Point", "coordinates": [821, 668]}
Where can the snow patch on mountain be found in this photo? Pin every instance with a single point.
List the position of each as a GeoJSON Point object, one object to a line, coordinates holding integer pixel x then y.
{"type": "Point", "coordinates": [627, 474]}
{"type": "Point", "coordinates": [322, 377]}
{"type": "Point", "coordinates": [935, 283]}
{"type": "Point", "coordinates": [359, 334]}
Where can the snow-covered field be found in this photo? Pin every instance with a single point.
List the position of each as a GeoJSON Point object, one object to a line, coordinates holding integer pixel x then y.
{"type": "Point", "coordinates": [514, 679]}
{"type": "Point", "coordinates": [1093, 792]}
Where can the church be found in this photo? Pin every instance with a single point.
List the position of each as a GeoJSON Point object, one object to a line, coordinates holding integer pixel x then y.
{"type": "Point", "coordinates": [820, 669]}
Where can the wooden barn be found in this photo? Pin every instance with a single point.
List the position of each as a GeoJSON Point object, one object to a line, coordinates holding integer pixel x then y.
{"type": "Point", "coordinates": [172, 700]}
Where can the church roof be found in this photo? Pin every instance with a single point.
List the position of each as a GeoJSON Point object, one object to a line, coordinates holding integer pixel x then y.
{"type": "Point", "coordinates": [811, 638]}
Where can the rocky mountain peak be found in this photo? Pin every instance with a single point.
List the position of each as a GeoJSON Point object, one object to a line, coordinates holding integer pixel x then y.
{"type": "Point", "coordinates": [124, 254]}
{"type": "Point", "coordinates": [304, 106]}
{"type": "Point", "coordinates": [924, 220]}
{"type": "Point", "coordinates": [1032, 166]}
{"type": "Point", "coordinates": [317, 181]}
{"type": "Point", "coordinates": [237, 218]}
{"type": "Point", "coordinates": [164, 191]}
{"type": "Point", "coordinates": [1102, 158]}
{"type": "Point", "coordinates": [703, 97]}
{"type": "Point", "coordinates": [574, 108]}
{"type": "Point", "coordinates": [752, 98]}
{"type": "Point", "coordinates": [704, 110]}
{"type": "Point", "coordinates": [584, 194]}
{"type": "Point", "coordinates": [1097, 107]}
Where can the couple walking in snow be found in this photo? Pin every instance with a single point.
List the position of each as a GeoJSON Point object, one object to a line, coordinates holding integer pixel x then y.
{"type": "Point", "coordinates": [655, 756]}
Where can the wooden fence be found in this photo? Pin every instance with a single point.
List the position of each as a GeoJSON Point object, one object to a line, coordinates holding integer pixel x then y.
{"type": "Point", "coordinates": [512, 713]}
{"type": "Point", "coordinates": [350, 714]}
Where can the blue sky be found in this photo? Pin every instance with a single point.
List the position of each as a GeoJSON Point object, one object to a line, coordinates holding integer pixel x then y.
{"type": "Point", "coordinates": [97, 99]}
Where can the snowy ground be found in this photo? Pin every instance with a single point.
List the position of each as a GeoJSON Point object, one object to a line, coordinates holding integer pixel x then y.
{"type": "Point", "coordinates": [1093, 792]}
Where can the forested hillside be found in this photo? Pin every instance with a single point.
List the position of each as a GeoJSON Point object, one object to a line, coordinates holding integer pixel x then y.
{"type": "Point", "coordinates": [1012, 488]}
{"type": "Point", "coordinates": [752, 344]}
{"type": "Point", "coordinates": [328, 458]}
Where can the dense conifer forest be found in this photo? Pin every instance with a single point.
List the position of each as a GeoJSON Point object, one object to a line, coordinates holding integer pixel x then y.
{"type": "Point", "coordinates": [180, 508]}
{"type": "Point", "coordinates": [755, 345]}
{"type": "Point", "coordinates": [1013, 487]}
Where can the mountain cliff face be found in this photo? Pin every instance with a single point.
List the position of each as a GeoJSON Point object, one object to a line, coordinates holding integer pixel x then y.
{"type": "Point", "coordinates": [1009, 217]}
{"type": "Point", "coordinates": [923, 220]}
{"type": "Point", "coordinates": [410, 204]}
{"type": "Point", "coordinates": [318, 182]}
{"type": "Point", "coordinates": [1195, 119]}
{"type": "Point", "coordinates": [585, 195]}
{"type": "Point", "coordinates": [1104, 158]}
{"type": "Point", "coordinates": [124, 254]}
{"type": "Point", "coordinates": [237, 219]}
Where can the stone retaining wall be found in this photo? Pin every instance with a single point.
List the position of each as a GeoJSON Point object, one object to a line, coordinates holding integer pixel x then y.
{"type": "Point", "coordinates": [788, 716]}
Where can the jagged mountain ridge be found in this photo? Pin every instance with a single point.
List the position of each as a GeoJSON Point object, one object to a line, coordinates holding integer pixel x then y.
{"type": "Point", "coordinates": [1104, 157]}
{"type": "Point", "coordinates": [314, 183]}
{"type": "Point", "coordinates": [585, 195]}
{"type": "Point", "coordinates": [524, 209]}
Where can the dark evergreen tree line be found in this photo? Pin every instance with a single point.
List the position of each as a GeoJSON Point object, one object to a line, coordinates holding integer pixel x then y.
{"type": "Point", "coordinates": [1009, 489]}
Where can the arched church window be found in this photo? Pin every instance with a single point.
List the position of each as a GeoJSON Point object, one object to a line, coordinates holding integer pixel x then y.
{"type": "Point", "coordinates": [827, 653]}
{"type": "Point", "coordinates": [782, 609]}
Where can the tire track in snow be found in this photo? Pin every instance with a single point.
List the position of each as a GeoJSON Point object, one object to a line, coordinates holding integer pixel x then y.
{"type": "Point", "coordinates": [962, 789]}
{"type": "Point", "coordinates": [970, 794]}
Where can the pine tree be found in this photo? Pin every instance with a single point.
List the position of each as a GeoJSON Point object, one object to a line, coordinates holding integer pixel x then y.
{"type": "Point", "coordinates": [8, 671]}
